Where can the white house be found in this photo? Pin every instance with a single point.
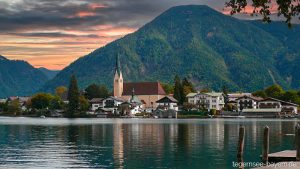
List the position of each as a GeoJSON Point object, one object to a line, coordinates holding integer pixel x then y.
{"type": "Point", "coordinates": [271, 107]}
{"type": "Point", "coordinates": [112, 102]}
{"type": "Point", "coordinates": [247, 102]}
{"type": "Point", "coordinates": [209, 101]}
{"type": "Point", "coordinates": [167, 103]}
{"type": "Point", "coordinates": [96, 103]}
{"type": "Point", "coordinates": [286, 107]}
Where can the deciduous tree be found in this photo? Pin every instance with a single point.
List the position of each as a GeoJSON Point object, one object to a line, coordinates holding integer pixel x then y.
{"type": "Point", "coordinates": [286, 8]}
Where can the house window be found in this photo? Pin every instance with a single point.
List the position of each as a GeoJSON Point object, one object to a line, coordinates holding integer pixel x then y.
{"type": "Point", "coordinates": [109, 103]}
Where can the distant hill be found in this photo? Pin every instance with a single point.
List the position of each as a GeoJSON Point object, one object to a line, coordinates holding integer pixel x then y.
{"type": "Point", "coordinates": [19, 78]}
{"type": "Point", "coordinates": [49, 73]}
{"type": "Point", "coordinates": [210, 48]}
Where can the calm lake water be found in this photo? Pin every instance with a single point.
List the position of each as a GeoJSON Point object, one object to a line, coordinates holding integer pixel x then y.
{"type": "Point", "coordinates": [135, 143]}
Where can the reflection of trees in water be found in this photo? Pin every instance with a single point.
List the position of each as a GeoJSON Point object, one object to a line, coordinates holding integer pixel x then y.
{"type": "Point", "coordinates": [138, 145]}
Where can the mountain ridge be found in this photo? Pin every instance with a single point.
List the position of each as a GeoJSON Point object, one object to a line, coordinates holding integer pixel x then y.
{"type": "Point", "coordinates": [19, 78]}
{"type": "Point", "coordinates": [210, 48]}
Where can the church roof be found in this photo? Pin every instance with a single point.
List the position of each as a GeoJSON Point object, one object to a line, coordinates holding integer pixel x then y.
{"type": "Point", "coordinates": [143, 88]}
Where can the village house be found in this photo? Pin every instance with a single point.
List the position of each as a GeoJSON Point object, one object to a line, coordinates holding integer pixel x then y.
{"type": "Point", "coordinates": [286, 107]}
{"type": "Point", "coordinates": [271, 107]}
{"type": "Point", "coordinates": [110, 105]}
{"type": "Point", "coordinates": [208, 101]}
{"type": "Point", "coordinates": [96, 103]}
{"type": "Point", "coordinates": [167, 103]}
{"type": "Point", "coordinates": [147, 92]}
{"type": "Point", "coordinates": [247, 102]}
{"type": "Point", "coordinates": [133, 106]}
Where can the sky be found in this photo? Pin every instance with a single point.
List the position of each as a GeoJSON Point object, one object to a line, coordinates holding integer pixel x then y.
{"type": "Point", "coordinates": [54, 33]}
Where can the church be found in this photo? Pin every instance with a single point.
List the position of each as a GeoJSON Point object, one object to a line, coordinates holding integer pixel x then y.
{"type": "Point", "coordinates": [147, 92]}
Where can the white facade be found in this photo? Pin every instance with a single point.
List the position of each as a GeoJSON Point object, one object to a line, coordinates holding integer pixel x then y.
{"type": "Point", "coordinates": [111, 102]}
{"type": "Point", "coordinates": [168, 106]}
{"type": "Point", "coordinates": [210, 100]}
{"type": "Point", "coordinates": [96, 106]}
{"type": "Point", "coordinates": [285, 107]}
{"type": "Point", "coordinates": [247, 102]}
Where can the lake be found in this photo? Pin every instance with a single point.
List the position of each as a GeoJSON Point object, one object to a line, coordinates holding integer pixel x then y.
{"type": "Point", "coordinates": [135, 143]}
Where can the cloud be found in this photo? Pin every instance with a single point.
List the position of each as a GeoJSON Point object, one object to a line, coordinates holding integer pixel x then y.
{"type": "Point", "coordinates": [54, 33]}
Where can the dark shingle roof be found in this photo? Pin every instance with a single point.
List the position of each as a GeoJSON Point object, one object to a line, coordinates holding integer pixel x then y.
{"type": "Point", "coordinates": [96, 100]}
{"type": "Point", "coordinates": [143, 88]}
{"type": "Point", "coordinates": [281, 101]}
{"type": "Point", "coordinates": [167, 99]}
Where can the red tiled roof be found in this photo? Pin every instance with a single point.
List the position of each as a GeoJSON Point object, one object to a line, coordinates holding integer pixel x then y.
{"type": "Point", "coordinates": [143, 88]}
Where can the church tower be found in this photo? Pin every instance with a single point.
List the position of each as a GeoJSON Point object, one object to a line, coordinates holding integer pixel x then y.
{"type": "Point", "coordinates": [118, 79]}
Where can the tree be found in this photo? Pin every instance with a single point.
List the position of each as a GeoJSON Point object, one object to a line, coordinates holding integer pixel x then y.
{"type": "Point", "coordinates": [189, 106]}
{"type": "Point", "coordinates": [4, 107]}
{"type": "Point", "coordinates": [92, 91]}
{"type": "Point", "coordinates": [178, 90]}
{"type": "Point", "coordinates": [225, 95]}
{"type": "Point", "coordinates": [187, 87]}
{"type": "Point", "coordinates": [14, 107]}
{"type": "Point", "coordinates": [56, 103]}
{"type": "Point", "coordinates": [41, 100]}
{"type": "Point", "coordinates": [260, 93]}
{"type": "Point", "coordinates": [205, 90]}
{"type": "Point", "coordinates": [73, 97]}
{"type": "Point", "coordinates": [274, 91]}
{"type": "Point", "coordinates": [291, 96]}
{"type": "Point", "coordinates": [169, 89]}
{"type": "Point", "coordinates": [60, 91]}
{"type": "Point", "coordinates": [287, 8]}
{"type": "Point", "coordinates": [95, 91]}
{"type": "Point", "coordinates": [84, 105]}
{"type": "Point", "coordinates": [104, 93]}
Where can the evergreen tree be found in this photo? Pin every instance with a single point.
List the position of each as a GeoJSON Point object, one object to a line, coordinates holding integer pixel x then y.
{"type": "Point", "coordinates": [225, 94]}
{"type": "Point", "coordinates": [178, 89]}
{"type": "Point", "coordinates": [73, 97]}
{"type": "Point", "coordinates": [187, 87]}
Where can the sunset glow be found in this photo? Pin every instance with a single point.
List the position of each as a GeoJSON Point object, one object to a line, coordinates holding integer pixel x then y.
{"type": "Point", "coordinates": [53, 34]}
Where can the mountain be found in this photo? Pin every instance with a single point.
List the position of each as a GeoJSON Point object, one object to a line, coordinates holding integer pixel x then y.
{"type": "Point", "coordinates": [19, 78]}
{"type": "Point", "coordinates": [49, 73]}
{"type": "Point", "coordinates": [210, 48]}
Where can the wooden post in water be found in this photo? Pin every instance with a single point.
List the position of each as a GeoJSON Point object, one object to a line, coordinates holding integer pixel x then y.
{"type": "Point", "coordinates": [297, 141]}
{"type": "Point", "coordinates": [240, 149]}
{"type": "Point", "coordinates": [265, 151]}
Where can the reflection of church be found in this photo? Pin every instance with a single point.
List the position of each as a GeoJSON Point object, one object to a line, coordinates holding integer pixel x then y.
{"type": "Point", "coordinates": [147, 92]}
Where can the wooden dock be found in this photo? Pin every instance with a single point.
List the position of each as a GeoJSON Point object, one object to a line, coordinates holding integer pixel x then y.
{"type": "Point", "coordinates": [286, 155]}
{"type": "Point", "coordinates": [279, 160]}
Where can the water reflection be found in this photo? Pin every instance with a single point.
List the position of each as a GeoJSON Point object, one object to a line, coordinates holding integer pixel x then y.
{"type": "Point", "coordinates": [137, 143]}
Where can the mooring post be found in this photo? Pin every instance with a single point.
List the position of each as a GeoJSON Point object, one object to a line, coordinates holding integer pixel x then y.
{"type": "Point", "coordinates": [265, 151]}
{"type": "Point", "coordinates": [297, 141]}
{"type": "Point", "coordinates": [240, 149]}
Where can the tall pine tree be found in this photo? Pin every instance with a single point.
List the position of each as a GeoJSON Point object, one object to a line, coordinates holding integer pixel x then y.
{"type": "Point", "coordinates": [73, 97]}
{"type": "Point", "coordinates": [178, 90]}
